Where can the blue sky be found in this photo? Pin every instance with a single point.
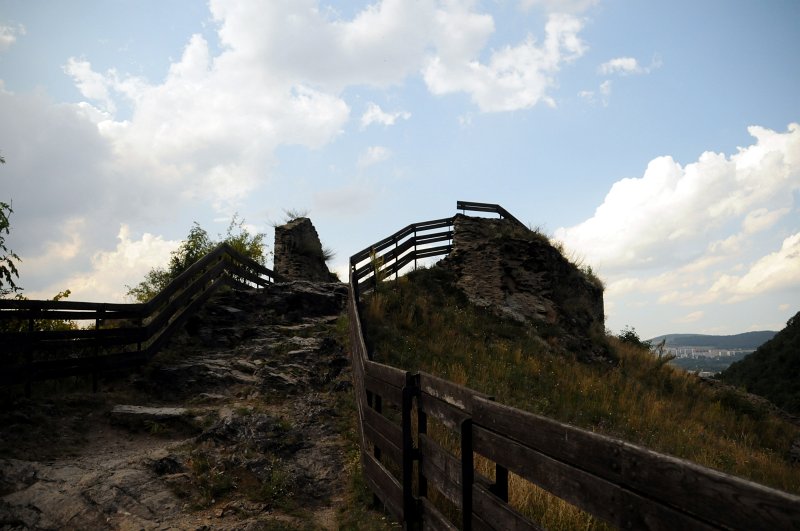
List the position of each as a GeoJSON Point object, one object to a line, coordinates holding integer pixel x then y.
{"type": "Point", "coordinates": [658, 141]}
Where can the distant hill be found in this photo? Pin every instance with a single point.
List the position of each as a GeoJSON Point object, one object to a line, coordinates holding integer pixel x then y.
{"type": "Point", "coordinates": [772, 370]}
{"type": "Point", "coordinates": [747, 340]}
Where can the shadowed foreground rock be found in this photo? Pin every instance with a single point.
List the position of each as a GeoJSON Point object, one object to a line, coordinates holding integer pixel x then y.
{"type": "Point", "coordinates": [234, 426]}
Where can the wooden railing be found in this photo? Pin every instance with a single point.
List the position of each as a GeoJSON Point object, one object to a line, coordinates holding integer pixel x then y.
{"type": "Point", "coordinates": [626, 485]}
{"type": "Point", "coordinates": [414, 242]}
{"type": "Point", "coordinates": [123, 335]}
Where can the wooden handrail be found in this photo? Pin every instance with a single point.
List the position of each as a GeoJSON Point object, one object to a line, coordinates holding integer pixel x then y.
{"type": "Point", "coordinates": [145, 326]}
{"type": "Point", "coordinates": [626, 485]}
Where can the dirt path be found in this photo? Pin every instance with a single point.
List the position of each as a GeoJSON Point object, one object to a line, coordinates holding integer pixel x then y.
{"type": "Point", "coordinates": [238, 425]}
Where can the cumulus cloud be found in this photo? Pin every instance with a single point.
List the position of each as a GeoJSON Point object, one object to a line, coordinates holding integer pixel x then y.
{"type": "Point", "coordinates": [776, 271]}
{"type": "Point", "coordinates": [206, 133]}
{"type": "Point", "coordinates": [516, 77]}
{"type": "Point", "coordinates": [112, 270]}
{"type": "Point", "coordinates": [91, 85]}
{"type": "Point", "coordinates": [374, 114]}
{"type": "Point", "coordinates": [721, 230]}
{"type": "Point", "coordinates": [9, 34]}
{"type": "Point", "coordinates": [672, 210]}
{"type": "Point", "coordinates": [373, 155]}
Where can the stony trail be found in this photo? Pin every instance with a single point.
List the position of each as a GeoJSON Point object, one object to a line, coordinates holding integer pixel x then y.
{"type": "Point", "coordinates": [238, 424]}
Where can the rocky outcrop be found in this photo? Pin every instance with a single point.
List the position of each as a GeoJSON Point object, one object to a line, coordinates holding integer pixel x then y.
{"type": "Point", "coordinates": [235, 425]}
{"type": "Point", "coordinates": [299, 254]}
{"type": "Point", "coordinates": [517, 273]}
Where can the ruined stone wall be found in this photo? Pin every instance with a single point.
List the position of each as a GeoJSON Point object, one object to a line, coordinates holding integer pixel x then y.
{"type": "Point", "coordinates": [299, 254]}
{"type": "Point", "coordinates": [519, 274]}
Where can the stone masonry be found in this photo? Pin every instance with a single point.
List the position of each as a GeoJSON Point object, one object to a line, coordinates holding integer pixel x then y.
{"type": "Point", "coordinates": [299, 254]}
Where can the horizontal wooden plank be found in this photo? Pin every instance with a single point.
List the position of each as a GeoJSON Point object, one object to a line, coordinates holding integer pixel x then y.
{"type": "Point", "coordinates": [451, 416]}
{"type": "Point", "coordinates": [375, 435]}
{"type": "Point", "coordinates": [13, 304]}
{"type": "Point", "coordinates": [494, 513]}
{"type": "Point", "coordinates": [427, 239]}
{"type": "Point", "coordinates": [386, 373]}
{"type": "Point", "coordinates": [386, 428]}
{"type": "Point", "coordinates": [593, 494]}
{"type": "Point", "coordinates": [405, 232]}
{"type": "Point", "coordinates": [379, 387]}
{"type": "Point", "coordinates": [580, 488]}
{"type": "Point", "coordinates": [711, 495]}
{"type": "Point", "coordinates": [476, 207]}
{"type": "Point", "coordinates": [434, 251]}
{"type": "Point", "coordinates": [433, 519]}
{"type": "Point", "coordinates": [452, 393]}
{"type": "Point", "coordinates": [592, 452]}
{"type": "Point", "coordinates": [442, 469]}
{"type": "Point", "coordinates": [383, 484]}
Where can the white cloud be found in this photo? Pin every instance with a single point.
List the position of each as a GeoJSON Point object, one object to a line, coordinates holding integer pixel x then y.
{"type": "Point", "coordinates": [690, 236]}
{"type": "Point", "coordinates": [92, 85]}
{"type": "Point", "coordinates": [374, 114]}
{"type": "Point", "coordinates": [112, 270]}
{"type": "Point", "coordinates": [691, 318]}
{"type": "Point", "coordinates": [776, 271]}
{"type": "Point", "coordinates": [604, 90]}
{"type": "Point", "coordinates": [672, 210]}
{"type": "Point", "coordinates": [515, 77]}
{"type": "Point", "coordinates": [762, 219]}
{"type": "Point", "coordinates": [68, 245]}
{"type": "Point", "coordinates": [373, 155]}
{"type": "Point", "coordinates": [626, 66]}
{"type": "Point", "coordinates": [206, 133]}
{"type": "Point", "coordinates": [559, 6]}
{"type": "Point", "coordinates": [620, 65]}
{"type": "Point", "coordinates": [8, 36]}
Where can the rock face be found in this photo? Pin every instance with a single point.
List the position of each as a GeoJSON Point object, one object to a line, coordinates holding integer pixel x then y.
{"type": "Point", "coordinates": [519, 274]}
{"type": "Point", "coordinates": [299, 254]}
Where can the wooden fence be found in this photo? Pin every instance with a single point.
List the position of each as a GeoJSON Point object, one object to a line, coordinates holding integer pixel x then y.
{"type": "Point", "coordinates": [626, 485]}
{"type": "Point", "coordinates": [123, 335]}
{"type": "Point", "coordinates": [414, 242]}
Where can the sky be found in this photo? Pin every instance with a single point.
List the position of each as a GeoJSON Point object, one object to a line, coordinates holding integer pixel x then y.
{"type": "Point", "coordinates": [658, 141]}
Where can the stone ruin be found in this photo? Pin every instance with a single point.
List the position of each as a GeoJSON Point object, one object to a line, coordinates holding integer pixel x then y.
{"type": "Point", "coordinates": [299, 254]}
{"type": "Point", "coordinates": [517, 273]}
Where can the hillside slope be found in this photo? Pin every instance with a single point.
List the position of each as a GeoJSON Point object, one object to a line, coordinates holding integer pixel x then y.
{"type": "Point", "coordinates": [773, 370]}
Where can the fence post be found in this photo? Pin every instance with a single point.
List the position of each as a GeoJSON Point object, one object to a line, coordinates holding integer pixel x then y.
{"type": "Point", "coordinates": [410, 512]}
{"type": "Point", "coordinates": [29, 355]}
{"type": "Point", "coordinates": [97, 321]}
{"type": "Point", "coordinates": [422, 429]}
{"type": "Point", "coordinates": [415, 248]}
{"type": "Point", "coordinates": [467, 473]}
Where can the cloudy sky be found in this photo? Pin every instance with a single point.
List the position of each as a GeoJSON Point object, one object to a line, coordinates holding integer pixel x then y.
{"type": "Point", "coordinates": [658, 140]}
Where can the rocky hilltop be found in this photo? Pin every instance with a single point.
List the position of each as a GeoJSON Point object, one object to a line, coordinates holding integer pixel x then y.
{"type": "Point", "coordinates": [518, 273]}
{"type": "Point", "coordinates": [236, 425]}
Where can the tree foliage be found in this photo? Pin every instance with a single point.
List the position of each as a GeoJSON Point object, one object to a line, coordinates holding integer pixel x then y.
{"type": "Point", "coordinates": [196, 245]}
{"type": "Point", "coordinates": [8, 267]}
{"type": "Point", "coordinates": [631, 337]}
{"type": "Point", "coordinates": [771, 371]}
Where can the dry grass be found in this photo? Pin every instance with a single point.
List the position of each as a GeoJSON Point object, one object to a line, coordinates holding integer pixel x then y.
{"type": "Point", "coordinates": [420, 322]}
